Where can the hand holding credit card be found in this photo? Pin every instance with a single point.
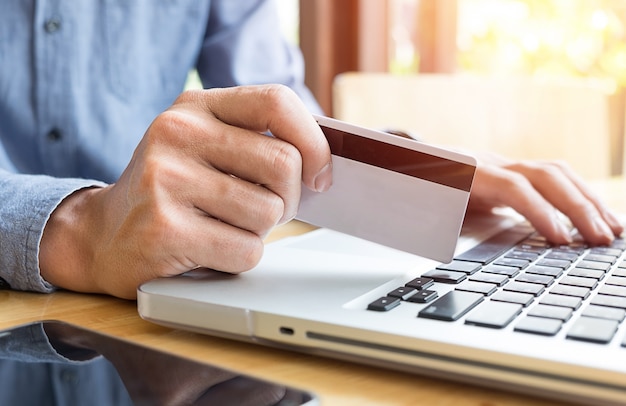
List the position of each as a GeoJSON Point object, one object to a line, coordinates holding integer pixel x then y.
{"type": "Point", "coordinates": [391, 190]}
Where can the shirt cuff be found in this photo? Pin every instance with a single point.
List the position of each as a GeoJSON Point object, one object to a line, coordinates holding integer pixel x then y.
{"type": "Point", "coordinates": [28, 201]}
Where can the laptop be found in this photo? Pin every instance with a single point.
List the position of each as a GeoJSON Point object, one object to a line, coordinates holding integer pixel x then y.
{"type": "Point", "coordinates": [482, 298]}
{"type": "Point", "coordinates": [509, 311]}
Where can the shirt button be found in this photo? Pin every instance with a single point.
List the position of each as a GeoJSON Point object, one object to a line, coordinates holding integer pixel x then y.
{"type": "Point", "coordinates": [54, 134]}
{"type": "Point", "coordinates": [52, 25]}
{"type": "Point", "coordinates": [69, 377]}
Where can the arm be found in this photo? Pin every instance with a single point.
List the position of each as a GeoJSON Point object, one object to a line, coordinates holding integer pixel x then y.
{"type": "Point", "coordinates": [243, 45]}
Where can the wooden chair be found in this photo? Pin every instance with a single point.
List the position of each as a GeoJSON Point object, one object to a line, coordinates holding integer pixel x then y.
{"type": "Point", "coordinates": [575, 120]}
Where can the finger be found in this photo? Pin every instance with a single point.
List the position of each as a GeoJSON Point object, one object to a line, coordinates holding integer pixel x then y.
{"type": "Point", "coordinates": [203, 241]}
{"type": "Point", "coordinates": [495, 186]}
{"type": "Point", "coordinates": [195, 183]}
{"type": "Point", "coordinates": [567, 197]}
{"type": "Point", "coordinates": [278, 109]}
{"type": "Point", "coordinates": [260, 160]}
{"type": "Point", "coordinates": [232, 200]}
{"type": "Point", "coordinates": [609, 217]}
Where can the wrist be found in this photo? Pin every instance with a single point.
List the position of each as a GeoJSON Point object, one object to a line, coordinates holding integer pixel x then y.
{"type": "Point", "coordinates": [65, 250]}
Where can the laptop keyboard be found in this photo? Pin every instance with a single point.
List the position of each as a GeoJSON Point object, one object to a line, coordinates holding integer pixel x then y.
{"type": "Point", "coordinates": [517, 277]}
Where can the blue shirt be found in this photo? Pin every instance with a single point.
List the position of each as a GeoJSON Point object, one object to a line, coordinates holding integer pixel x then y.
{"type": "Point", "coordinates": [80, 82]}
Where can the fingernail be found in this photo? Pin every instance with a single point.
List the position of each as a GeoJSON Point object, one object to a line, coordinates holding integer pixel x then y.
{"type": "Point", "coordinates": [324, 178]}
{"type": "Point", "coordinates": [602, 228]}
{"type": "Point", "coordinates": [562, 229]}
{"type": "Point", "coordinates": [287, 219]}
{"type": "Point", "coordinates": [613, 221]}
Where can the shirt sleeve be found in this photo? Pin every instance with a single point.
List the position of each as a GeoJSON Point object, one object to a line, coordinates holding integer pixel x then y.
{"type": "Point", "coordinates": [27, 202]}
{"type": "Point", "coordinates": [243, 45]}
{"type": "Point", "coordinates": [28, 343]}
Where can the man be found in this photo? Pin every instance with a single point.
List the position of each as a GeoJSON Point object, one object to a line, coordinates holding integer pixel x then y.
{"type": "Point", "coordinates": [82, 83]}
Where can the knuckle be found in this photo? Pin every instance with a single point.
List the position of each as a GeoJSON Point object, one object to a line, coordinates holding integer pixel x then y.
{"type": "Point", "coordinates": [512, 181]}
{"type": "Point", "coordinates": [271, 213]}
{"type": "Point", "coordinates": [266, 213]}
{"type": "Point", "coordinates": [540, 169]}
{"type": "Point", "coordinates": [167, 125]}
{"type": "Point", "coordinates": [581, 209]}
{"type": "Point", "coordinates": [157, 175]}
{"type": "Point", "coordinates": [510, 186]}
{"type": "Point", "coordinates": [278, 98]}
{"type": "Point", "coordinates": [285, 158]}
{"type": "Point", "coordinates": [560, 164]}
{"type": "Point", "coordinates": [251, 253]}
{"type": "Point", "coordinates": [547, 171]}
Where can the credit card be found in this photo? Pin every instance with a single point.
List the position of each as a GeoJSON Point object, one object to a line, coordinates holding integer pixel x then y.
{"type": "Point", "coordinates": [394, 191]}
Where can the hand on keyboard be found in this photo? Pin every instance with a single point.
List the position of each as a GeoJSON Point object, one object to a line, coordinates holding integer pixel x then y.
{"type": "Point", "coordinates": [538, 190]}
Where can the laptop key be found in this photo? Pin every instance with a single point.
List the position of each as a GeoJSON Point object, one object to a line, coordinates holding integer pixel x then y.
{"type": "Point", "coordinates": [619, 244]}
{"type": "Point", "coordinates": [613, 252]}
{"type": "Point", "coordinates": [496, 279]}
{"type": "Point", "coordinates": [578, 250]}
{"type": "Point", "coordinates": [533, 278]}
{"type": "Point", "coordinates": [493, 247]}
{"type": "Point", "coordinates": [524, 299]}
{"type": "Point", "coordinates": [551, 312]}
{"type": "Point", "coordinates": [555, 263]}
{"type": "Point", "coordinates": [451, 306]}
{"type": "Point", "coordinates": [493, 314]}
{"type": "Point", "coordinates": [443, 276]}
{"type": "Point", "coordinates": [619, 272]}
{"type": "Point", "coordinates": [531, 248]}
{"type": "Point", "coordinates": [523, 287]}
{"type": "Point", "coordinates": [603, 312]}
{"type": "Point", "coordinates": [403, 292]}
{"type": "Point", "coordinates": [613, 290]}
{"type": "Point", "coordinates": [519, 254]}
{"type": "Point", "coordinates": [478, 287]}
{"type": "Point", "coordinates": [544, 270]}
{"type": "Point", "coordinates": [517, 263]}
{"type": "Point", "coordinates": [420, 283]}
{"type": "Point", "coordinates": [571, 302]}
{"type": "Point", "coordinates": [423, 296]}
{"type": "Point", "coordinates": [586, 273]}
{"type": "Point", "coordinates": [567, 290]}
{"type": "Point", "coordinates": [461, 266]}
{"type": "Point", "coordinates": [384, 304]}
{"type": "Point", "coordinates": [616, 280]}
{"type": "Point", "coordinates": [593, 330]}
{"type": "Point", "coordinates": [609, 301]}
{"type": "Point", "coordinates": [598, 257]}
{"type": "Point", "coordinates": [509, 271]}
{"type": "Point", "coordinates": [567, 256]}
{"type": "Point", "coordinates": [600, 266]}
{"type": "Point", "coordinates": [578, 281]}
{"type": "Point", "coordinates": [539, 325]}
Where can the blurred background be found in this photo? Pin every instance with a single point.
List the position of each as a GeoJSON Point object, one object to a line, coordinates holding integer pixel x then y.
{"type": "Point", "coordinates": [529, 79]}
{"type": "Point", "coordinates": [539, 79]}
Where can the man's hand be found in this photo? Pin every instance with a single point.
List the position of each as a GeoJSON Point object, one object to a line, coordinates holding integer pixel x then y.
{"type": "Point", "coordinates": [203, 188]}
{"type": "Point", "coordinates": [538, 191]}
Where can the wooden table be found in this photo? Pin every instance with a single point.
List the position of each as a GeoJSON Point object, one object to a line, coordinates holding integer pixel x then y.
{"type": "Point", "coordinates": [335, 382]}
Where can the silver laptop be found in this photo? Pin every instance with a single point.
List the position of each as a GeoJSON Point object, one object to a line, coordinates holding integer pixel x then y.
{"type": "Point", "coordinates": [509, 311]}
